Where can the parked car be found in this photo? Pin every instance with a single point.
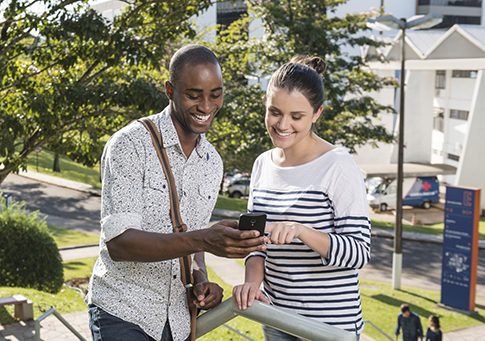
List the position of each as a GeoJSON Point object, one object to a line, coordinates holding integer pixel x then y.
{"type": "Point", "coordinates": [421, 191]}
{"type": "Point", "coordinates": [238, 188]}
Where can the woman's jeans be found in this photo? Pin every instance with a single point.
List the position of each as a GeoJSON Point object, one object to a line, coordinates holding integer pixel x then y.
{"type": "Point", "coordinates": [106, 327]}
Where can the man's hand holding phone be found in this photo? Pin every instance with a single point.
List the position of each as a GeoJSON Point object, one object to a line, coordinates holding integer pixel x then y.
{"type": "Point", "coordinates": [253, 221]}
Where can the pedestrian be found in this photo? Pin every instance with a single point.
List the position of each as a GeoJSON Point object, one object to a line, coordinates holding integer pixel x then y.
{"type": "Point", "coordinates": [434, 332]}
{"type": "Point", "coordinates": [136, 290]}
{"type": "Point", "coordinates": [314, 197]}
{"type": "Point", "coordinates": [410, 324]}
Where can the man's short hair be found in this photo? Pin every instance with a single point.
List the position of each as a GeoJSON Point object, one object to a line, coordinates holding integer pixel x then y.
{"type": "Point", "coordinates": [405, 308]}
{"type": "Point", "coordinates": [190, 54]}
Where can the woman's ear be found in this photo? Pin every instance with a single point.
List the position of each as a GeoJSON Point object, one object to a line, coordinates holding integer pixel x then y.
{"type": "Point", "coordinates": [317, 114]}
{"type": "Point", "coordinates": [169, 90]}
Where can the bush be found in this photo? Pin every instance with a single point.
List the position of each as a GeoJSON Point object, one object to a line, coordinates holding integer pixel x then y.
{"type": "Point", "coordinates": [28, 254]}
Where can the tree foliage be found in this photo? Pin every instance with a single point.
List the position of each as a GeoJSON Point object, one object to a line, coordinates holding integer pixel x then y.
{"type": "Point", "coordinates": [69, 77]}
{"type": "Point", "coordinates": [298, 27]}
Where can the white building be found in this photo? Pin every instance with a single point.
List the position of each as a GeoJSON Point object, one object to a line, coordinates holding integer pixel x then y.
{"type": "Point", "coordinates": [444, 102]}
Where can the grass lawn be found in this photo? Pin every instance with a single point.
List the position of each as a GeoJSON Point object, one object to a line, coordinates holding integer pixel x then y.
{"type": "Point", "coordinates": [65, 301]}
{"type": "Point", "coordinates": [66, 237]}
{"type": "Point", "coordinates": [381, 306]}
{"type": "Point", "coordinates": [42, 162]}
{"type": "Point", "coordinates": [430, 229]}
{"type": "Point", "coordinates": [232, 204]}
{"type": "Point", "coordinates": [78, 268]}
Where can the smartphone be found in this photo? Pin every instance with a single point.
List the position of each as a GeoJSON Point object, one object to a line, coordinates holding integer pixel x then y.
{"type": "Point", "coordinates": [253, 221]}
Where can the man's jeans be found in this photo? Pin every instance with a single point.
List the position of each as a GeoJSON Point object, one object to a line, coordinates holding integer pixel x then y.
{"type": "Point", "coordinates": [106, 327]}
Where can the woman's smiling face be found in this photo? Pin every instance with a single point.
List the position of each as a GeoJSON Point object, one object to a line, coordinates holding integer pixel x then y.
{"type": "Point", "coordinates": [289, 117]}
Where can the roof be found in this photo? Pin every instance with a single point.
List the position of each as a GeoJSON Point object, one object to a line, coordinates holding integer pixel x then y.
{"type": "Point", "coordinates": [409, 169]}
{"type": "Point", "coordinates": [459, 41]}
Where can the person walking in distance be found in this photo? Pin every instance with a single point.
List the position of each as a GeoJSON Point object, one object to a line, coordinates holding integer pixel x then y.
{"type": "Point", "coordinates": [410, 325]}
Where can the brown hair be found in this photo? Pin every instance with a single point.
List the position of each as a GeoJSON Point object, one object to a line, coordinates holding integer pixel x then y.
{"type": "Point", "coordinates": [435, 320]}
{"type": "Point", "coordinates": [303, 74]}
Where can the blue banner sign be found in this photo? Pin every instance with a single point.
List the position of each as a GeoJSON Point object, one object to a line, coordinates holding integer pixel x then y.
{"type": "Point", "coordinates": [460, 248]}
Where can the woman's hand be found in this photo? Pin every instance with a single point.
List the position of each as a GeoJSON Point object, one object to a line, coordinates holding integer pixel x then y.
{"type": "Point", "coordinates": [246, 293]}
{"type": "Point", "coordinates": [283, 232]}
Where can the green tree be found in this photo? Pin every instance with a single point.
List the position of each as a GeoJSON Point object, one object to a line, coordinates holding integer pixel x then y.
{"type": "Point", "coordinates": [296, 27]}
{"type": "Point", "coordinates": [69, 77]}
{"type": "Point", "coordinates": [239, 133]}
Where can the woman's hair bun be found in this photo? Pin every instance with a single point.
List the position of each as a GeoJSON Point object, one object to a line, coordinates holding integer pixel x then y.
{"type": "Point", "coordinates": [316, 63]}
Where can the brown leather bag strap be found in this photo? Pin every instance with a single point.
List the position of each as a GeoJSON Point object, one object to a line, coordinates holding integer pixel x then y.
{"type": "Point", "coordinates": [177, 222]}
{"type": "Point", "coordinates": [157, 141]}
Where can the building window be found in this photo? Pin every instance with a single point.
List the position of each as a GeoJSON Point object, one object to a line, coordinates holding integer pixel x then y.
{"type": "Point", "coordinates": [464, 74]}
{"type": "Point", "coordinates": [459, 114]}
{"type": "Point", "coordinates": [230, 11]}
{"type": "Point", "coordinates": [453, 157]}
{"type": "Point", "coordinates": [439, 119]}
{"type": "Point", "coordinates": [440, 79]}
{"type": "Point", "coordinates": [450, 20]}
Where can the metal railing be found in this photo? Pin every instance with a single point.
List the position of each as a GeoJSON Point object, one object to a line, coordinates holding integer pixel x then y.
{"type": "Point", "coordinates": [52, 311]}
{"type": "Point", "coordinates": [278, 318]}
{"type": "Point", "coordinates": [282, 319]}
{"type": "Point", "coordinates": [383, 333]}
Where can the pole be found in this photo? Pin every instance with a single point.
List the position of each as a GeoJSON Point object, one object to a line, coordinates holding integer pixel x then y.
{"type": "Point", "coordinates": [397, 256]}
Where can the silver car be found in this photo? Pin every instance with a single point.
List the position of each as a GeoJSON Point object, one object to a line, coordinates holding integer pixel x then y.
{"type": "Point", "coordinates": [239, 188]}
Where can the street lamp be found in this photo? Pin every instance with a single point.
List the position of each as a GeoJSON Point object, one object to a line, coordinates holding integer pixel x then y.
{"type": "Point", "coordinates": [387, 22]}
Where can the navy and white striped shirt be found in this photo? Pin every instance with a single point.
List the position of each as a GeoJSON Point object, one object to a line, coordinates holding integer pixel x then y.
{"type": "Point", "coordinates": [327, 194]}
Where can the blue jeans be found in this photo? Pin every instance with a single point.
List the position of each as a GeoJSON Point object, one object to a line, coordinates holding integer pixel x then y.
{"type": "Point", "coordinates": [271, 334]}
{"type": "Point", "coordinates": [106, 327]}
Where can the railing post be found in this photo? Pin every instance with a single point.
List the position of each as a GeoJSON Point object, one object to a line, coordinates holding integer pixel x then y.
{"type": "Point", "coordinates": [49, 312]}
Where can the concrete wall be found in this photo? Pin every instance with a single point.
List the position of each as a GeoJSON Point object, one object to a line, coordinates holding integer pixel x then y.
{"type": "Point", "coordinates": [418, 122]}
{"type": "Point", "coordinates": [471, 171]}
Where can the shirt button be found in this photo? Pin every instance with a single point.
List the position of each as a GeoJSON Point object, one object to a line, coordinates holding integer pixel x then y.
{"type": "Point", "coordinates": [174, 276]}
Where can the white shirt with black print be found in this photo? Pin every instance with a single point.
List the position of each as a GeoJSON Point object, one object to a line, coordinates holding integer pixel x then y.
{"type": "Point", "coordinates": [135, 196]}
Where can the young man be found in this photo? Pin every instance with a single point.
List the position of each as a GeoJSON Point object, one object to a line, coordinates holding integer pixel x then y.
{"type": "Point", "coordinates": [135, 291]}
{"type": "Point", "coordinates": [410, 324]}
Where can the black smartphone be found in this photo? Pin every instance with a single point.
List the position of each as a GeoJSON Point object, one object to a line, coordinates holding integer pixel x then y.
{"type": "Point", "coordinates": [252, 221]}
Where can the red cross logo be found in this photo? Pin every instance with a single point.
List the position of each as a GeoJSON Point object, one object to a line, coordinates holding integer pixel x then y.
{"type": "Point", "coordinates": [426, 186]}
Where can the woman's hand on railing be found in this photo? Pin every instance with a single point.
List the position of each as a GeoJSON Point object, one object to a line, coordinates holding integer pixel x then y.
{"type": "Point", "coordinates": [246, 293]}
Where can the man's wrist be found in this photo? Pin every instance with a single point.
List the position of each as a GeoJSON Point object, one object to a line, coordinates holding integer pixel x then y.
{"type": "Point", "coordinates": [197, 240]}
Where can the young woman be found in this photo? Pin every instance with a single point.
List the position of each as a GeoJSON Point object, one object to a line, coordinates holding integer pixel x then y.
{"type": "Point", "coordinates": [314, 196]}
{"type": "Point", "coordinates": [434, 332]}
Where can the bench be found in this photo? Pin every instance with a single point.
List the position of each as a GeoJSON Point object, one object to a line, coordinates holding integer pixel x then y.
{"type": "Point", "coordinates": [24, 309]}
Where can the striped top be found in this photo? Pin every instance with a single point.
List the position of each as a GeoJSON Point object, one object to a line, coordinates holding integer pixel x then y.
{"type": "Point", "coordinates": [327, 194]}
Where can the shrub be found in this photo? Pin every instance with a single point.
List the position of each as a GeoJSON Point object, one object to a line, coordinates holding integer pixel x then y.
{"type": "Point", "coordinates": [28, 254]}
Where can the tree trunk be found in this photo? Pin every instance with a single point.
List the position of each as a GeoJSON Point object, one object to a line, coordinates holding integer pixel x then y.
{"type": "Point", "coordinates": [56, 167]}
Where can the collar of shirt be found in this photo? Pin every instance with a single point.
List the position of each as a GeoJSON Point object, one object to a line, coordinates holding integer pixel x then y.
{"type": "Point", "coordinates": [171, 139]}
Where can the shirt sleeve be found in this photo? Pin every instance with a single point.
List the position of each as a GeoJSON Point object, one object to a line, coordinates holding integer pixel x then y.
{"type": "Point", "coordinates": [419, 326]}
{"type": "Point", "coordinates": [398, 326]}
{"type": "Point", "coordinates": [350, 240]}
{"type": "Point", "coordinates": [122, 174]}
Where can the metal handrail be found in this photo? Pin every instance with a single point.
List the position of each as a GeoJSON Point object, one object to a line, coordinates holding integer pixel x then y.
{"type": "Point", "coordinates": [279, 318]}
{"type": "Point", "coordinates": [52, 311]}
{"type": "Point", "coordinates": [383, 333]}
